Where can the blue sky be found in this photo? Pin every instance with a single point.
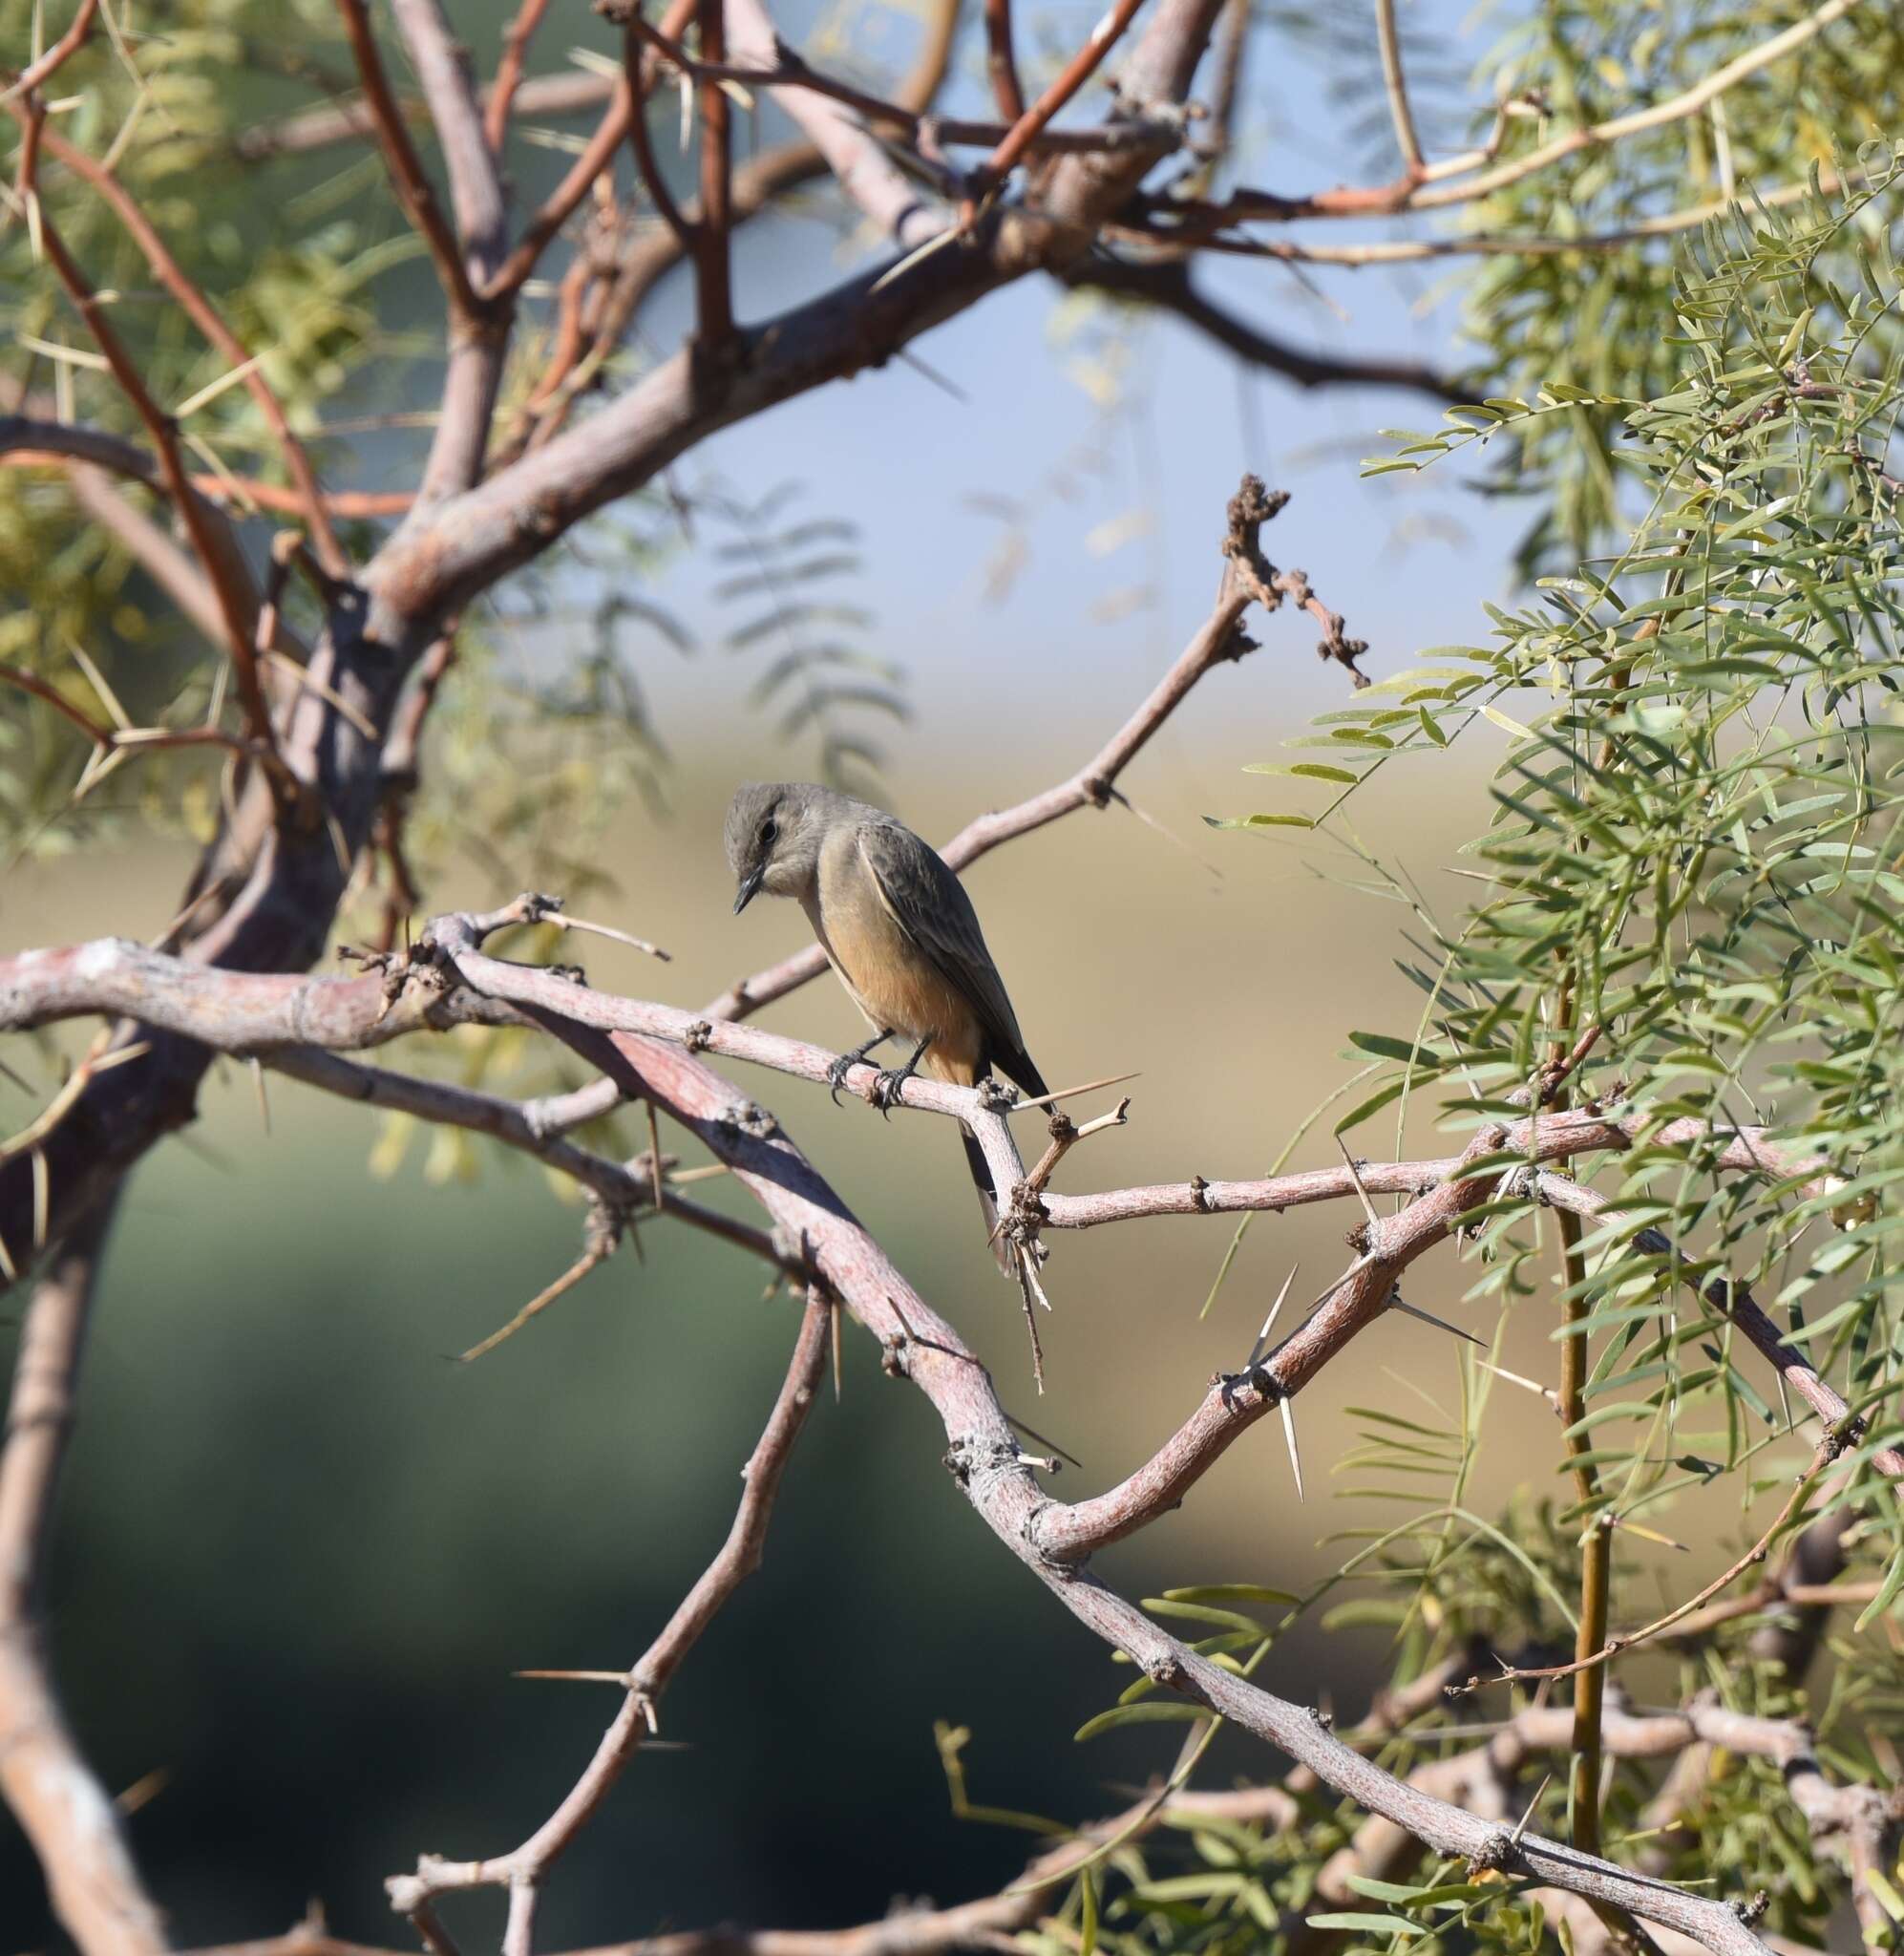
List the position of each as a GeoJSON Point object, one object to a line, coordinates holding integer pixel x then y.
{"type": "Point", "coordinates": [1121, 505]}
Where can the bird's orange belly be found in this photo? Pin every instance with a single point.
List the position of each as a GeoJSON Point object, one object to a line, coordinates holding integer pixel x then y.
{"type": "Point", "coordinates": [899, 990]}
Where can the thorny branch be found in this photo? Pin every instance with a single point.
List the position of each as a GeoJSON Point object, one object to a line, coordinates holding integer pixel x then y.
{"type": "Point", "coordinates": [522, 1870]}
{"type": "Point", "coordinates": [272, 888]}
{"type": "Point", "coordinates": [988, 1463]}
{"type": "Point", "coordinates": [618, 1036]}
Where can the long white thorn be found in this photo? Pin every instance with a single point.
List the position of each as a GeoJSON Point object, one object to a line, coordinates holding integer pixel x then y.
{"type": "Point", "coordinates": [1428, 1317]}
{"type": "Point", "coordinates": [1269, 1323]}
{"type": "Point", "coordinates": [1355, 1175]}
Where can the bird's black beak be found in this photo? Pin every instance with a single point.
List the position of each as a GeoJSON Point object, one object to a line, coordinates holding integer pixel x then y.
{"type": "Point", "coordinates": [750, 888]}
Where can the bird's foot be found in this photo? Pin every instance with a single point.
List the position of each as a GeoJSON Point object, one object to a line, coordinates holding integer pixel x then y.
{"type": "Point", "coordinates": [837, 1073]}
{"type": "Point", "coordinates": [888, 1084]}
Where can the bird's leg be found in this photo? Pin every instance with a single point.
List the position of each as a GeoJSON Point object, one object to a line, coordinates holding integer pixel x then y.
{"type": "Point", "coordinates": [837, 1073]}
{"type": "Point", "coordinates": [887, 1083]}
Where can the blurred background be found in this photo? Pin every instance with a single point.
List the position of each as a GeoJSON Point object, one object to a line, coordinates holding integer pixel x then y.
{"type": "Point", "coordinates": [302, 1550]}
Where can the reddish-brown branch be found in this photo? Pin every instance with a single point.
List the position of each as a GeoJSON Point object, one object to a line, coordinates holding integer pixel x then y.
{"type": "Point", "coordinates": [26, 443]}
{"type": "Point", "coordinates": [635, 71]}
{"type": "Point", "coordinates": [235, 601]}
{"type": "Point", "coordinates": [515, 39]}
{"type": "Point", "coordinates": [95, 730]}
{"type": "Point", "coordinates": [310, 501]}
{"type": "Point", "coordinates": [405, 168]}
{"type": "Point", "coordinates": [138, 739]}
{"type": "Point", "coordinates": [1001, 62]}
{"type": "Point", "coordinates": [1078, 71]}
{"type": "Point", "coordinates": [561, 202]}
{"type": "Point", "coordinates": [55, 58]}
{"type": "Point", "coordinates": [630, 89]}
{"type": "Point", "coordinates": [652, 253]}
{"type": "Point", "coordinates": [522, 1869]}
{"type": "Point", "coordinates": [714, 269]}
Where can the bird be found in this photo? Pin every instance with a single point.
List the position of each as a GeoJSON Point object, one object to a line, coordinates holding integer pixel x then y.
{"type": "Point", "coordinates": [900, 934]}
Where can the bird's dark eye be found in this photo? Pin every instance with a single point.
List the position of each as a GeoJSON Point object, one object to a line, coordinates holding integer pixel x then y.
{"type": "Point", "coordinates": [768, 830]}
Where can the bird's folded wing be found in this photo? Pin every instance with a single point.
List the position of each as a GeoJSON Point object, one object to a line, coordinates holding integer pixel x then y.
{"type": "Point", "coordinates": [929, 903]}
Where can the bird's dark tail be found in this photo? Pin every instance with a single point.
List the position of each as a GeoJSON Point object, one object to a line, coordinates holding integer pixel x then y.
{"type": "Point", "coordinates": [981, 1179]}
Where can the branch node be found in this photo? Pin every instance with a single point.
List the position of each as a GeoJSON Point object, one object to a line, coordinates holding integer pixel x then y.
{"type": "Point", "coordinates": [749, 1118]}
{"type": "Point", "coordinates": [698, 1037]}
{"type": "Point", "coordinates": [1495, 1853]}
{"type": "Point", "coordinates": [1200, 1195]}
{"type": "Point", "coordinates": [1166, 1668]}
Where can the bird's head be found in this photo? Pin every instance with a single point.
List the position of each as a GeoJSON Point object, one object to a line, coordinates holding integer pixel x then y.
{"type": "Point", "coordinates": [773, 835]}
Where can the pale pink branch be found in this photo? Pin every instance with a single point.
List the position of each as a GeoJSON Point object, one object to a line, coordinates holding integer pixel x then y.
{"type": "Point", "coordinates": [59, 1803]}
{"type": "Point", "coordinates": [986, 1460]}
{"type": "Point", "coordinates": [522, 1870]}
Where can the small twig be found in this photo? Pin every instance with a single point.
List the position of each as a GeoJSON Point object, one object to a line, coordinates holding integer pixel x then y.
{"type": "Point", "coordinates": [515, 39]}
{"type": "Point", "coordinates": [1828, 1450]}
{"type": "Point", "coordinates": [1065, 1135]}
{"type": "Point", "coordinates": [647, 1679]}
{"type": "Point", "coordinates": [604, 1232]}
{"type": "Point", "coordinates": [221, 571]}
{"type": "Point", "coordinates": [35, 73]}
{"type": "Point", "coordinates": [686, 235]}
{"type": "Point", "coordinates": [627, 100]}
{"type": "Point", "coordinates": [1025, 1266]}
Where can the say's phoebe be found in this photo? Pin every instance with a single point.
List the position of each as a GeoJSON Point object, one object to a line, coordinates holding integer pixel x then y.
{"type": "Point", "coordinates": [896, 926]}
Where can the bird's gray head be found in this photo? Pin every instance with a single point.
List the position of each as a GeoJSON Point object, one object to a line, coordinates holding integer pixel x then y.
{"type": "Point", "coordinates": [773, 836]}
